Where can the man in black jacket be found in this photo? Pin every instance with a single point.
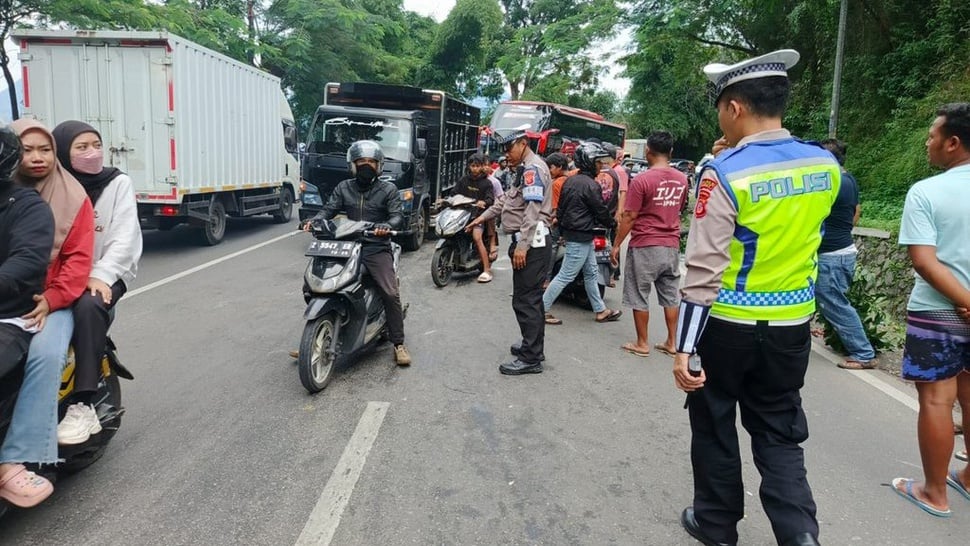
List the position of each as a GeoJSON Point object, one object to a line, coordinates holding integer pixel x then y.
{"type": "Point", "coordinates": [26, 238]}
{"type": "Point", "coordinates": [476, 185]}
{"type": "Point", "coordinates": [581, 210]}
{"type": "Point", "coordinates": [367, 198]}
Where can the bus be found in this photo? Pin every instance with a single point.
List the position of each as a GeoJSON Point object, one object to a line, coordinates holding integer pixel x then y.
{"type": "Point", "coordinates": [554, 127]}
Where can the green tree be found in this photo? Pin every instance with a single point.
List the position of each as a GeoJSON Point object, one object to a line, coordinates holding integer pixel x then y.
{"type": "Point", "coordinates": [552, 38]}
{"type": "Point", "coordinates": [458, 60]}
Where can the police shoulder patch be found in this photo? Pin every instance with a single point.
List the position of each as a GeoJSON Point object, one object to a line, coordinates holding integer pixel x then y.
{"type": "Point", "coordinates": [530, 176]}
{"type": "Point", "coordinates": [704, 190]}
{"type": "Point", "coordinates": [533, 193]}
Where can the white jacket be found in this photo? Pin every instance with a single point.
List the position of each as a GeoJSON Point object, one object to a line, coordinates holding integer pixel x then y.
{"type": "Point", "coordinates": [117, 233]}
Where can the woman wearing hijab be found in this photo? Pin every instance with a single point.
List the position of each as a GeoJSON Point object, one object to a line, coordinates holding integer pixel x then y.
{"type": "Point", "coordinates": [31, 437]}
{"type": "Point", "coordinates": [117, 248]}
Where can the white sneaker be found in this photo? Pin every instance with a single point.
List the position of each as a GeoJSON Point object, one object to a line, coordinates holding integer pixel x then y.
{"type": "Point", "coordinates": [80, 422]}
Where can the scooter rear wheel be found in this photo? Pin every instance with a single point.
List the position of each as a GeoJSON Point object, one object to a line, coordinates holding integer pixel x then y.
{"type": "Point", "coordinates": [317, 356]}
{"type": "Point", "coordinates": [442, 265]}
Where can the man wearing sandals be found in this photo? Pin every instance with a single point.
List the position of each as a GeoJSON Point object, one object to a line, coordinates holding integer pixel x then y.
{"type": "Point", "coordinates": [934, 228]}
{"type": "Point", "coordinates": [26, 238]}
{"type": "Point", "coordinates": [836, 267]}
{"type": "Point", "coordinates": [476, 185]}
{"type": "Point", "coordinates": [652, 219]}
{"type": "Point", "coordinates": [746, 303]}
{"type": "Point", "coordinates": [580, 211]}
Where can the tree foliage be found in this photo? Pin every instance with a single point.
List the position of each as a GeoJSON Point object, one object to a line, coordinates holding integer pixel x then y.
{"type": "Point", "coordinates": [902, 59]}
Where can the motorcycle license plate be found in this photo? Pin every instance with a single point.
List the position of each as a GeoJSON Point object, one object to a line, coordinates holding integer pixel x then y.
{"type": "Point", "coordinates": [603, 254]}
{"type": "Point", "coordinates": [330, 249]}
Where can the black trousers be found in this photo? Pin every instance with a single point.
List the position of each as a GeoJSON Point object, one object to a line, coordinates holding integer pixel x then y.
{"type": "Point", "coordinates": [761, 369]}
{"type": "Point", "coordinates": [379, 263]}
{"type": "Point", "coordinates": [91, 321]}
{"type": "Point", "coordinates": [14, 342]}
{"type": "Point", "coordinates": [527, 301]}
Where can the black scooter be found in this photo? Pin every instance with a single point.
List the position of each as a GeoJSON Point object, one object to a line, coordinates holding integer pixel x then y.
{"type": "Point", "coordinates": [455, 250]}
{"type": "Point", "coordinates": [345, 313]}
{"type": "Point", "coordinates": [107, 404]}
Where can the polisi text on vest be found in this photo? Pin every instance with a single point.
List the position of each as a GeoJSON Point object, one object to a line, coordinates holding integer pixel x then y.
{"type": "Point", "coordinates": [777, 188]}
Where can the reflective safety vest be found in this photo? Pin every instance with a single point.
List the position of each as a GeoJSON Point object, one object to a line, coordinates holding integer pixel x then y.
{"type": "Point", "coordinates": [783, 190]}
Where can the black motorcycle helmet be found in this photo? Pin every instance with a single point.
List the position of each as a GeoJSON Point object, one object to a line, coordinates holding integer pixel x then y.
{"type": "Point", "coordinates": [10, 154]}
{"type": "Point", "coordinates": [365, 149]}
{"type": "Point", "coordinates": [586, 156]}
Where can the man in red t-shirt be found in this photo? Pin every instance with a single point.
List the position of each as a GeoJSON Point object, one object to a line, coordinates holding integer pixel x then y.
{"type": "Point", "coordinates": [652, 216]}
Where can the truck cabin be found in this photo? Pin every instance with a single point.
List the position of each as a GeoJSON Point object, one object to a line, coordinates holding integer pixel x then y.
{"type": "Point", "coordinates": [401, 135]}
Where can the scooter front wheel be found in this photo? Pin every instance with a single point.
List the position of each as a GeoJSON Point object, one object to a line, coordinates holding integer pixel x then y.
{"type": "Point", "coordinates": [317, 352]}
{"type": "Point", "coordinates": [442, 265]}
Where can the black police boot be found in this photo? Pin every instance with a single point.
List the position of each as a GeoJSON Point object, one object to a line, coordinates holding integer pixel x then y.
{"type": "Point", "coordinates": [694, 529]}
{"type": "Point", "coordinates": [517, 367]}
{"type": "Point", "coordinates": [801, 539]}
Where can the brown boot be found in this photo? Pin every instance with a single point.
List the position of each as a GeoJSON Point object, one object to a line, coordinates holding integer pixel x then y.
{"type": "Point", "coordinates": [401, 356]}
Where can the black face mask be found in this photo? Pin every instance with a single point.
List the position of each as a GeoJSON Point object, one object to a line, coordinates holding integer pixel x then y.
{"type": "Point", "coordinates": [366, 175]}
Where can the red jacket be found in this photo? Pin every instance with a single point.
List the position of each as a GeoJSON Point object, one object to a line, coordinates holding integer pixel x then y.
{"type": "Point", "coordinates": [67, 274]}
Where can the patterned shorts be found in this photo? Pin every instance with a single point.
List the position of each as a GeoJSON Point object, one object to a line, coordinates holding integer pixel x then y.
{"type": "Point", "coordinates": [937, 346]}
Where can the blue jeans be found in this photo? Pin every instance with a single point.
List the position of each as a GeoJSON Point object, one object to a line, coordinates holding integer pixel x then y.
{"type": "Point", "coordinates": [834, 279]}
{"type": "Point", "coordinates": [32, 436]}
{"type": "Point", "coordinates": [579, 256]}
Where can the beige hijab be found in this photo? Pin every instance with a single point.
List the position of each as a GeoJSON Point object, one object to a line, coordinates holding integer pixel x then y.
{"type": "Point", "coordinates": [63, 193]}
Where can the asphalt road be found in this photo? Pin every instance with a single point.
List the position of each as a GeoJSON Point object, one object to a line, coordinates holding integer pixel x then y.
{"type": "Point", "coordinates": [221, 445]}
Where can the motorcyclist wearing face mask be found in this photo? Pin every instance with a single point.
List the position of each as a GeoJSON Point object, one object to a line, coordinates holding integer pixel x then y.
{"type": "Point", "coordinates": [367, 198]}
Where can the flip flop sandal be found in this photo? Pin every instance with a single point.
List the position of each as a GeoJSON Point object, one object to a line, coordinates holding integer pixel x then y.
{"type": "Point", "coordinates": [24, 489]}
{"type": "Point", "coordinates": [911, 497]}
{"type": "Point", "coordinates": [485, 277]}
{"type": "Point", "coordinates": [663, 349]}
{"type": "Point", "coordinates": [961, 455]}
{"type": "Point", "coordinates": [634, 351]}
{"type": "Point", "coordinates": [856, 365]}
{"type": "Point", "coordinates": [613, 316]}
{"type": "Point", "coordinates": [550, 319]}
{"type": "Point", "coordinates": [953, 480]}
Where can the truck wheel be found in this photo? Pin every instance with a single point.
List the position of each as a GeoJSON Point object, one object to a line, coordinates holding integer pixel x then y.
{"type": "Point", "coordinates": [214, 229]}
{"type": "Point", "coordinates": [414, 241]}
{"type": "Point", "coordinates": [317, 356]}
{"type": "Point", "coordinates": [283, 215]}
{"type": "Point", "coordinates": [442, 265]}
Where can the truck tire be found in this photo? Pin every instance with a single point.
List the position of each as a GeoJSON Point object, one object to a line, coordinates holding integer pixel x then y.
{"type": "Point", "coordinates": [413, 242]}
{"type": "Point", "coordinates": [214, 229]}
{"type": "Point", "coordinates": [285, 213]}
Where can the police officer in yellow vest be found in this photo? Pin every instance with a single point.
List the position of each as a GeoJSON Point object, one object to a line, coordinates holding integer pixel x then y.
{"type": "Point", "coordinates": [747, 300]}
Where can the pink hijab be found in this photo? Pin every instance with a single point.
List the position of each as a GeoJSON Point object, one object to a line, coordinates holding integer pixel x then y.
{"type": "Point", "coordinates": [62, 192]}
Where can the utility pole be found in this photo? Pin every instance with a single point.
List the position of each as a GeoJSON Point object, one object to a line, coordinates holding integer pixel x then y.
{"type": "Point", "coordinates": [837, 84]}
{"type": "Point", "coordinates": [252, 30]}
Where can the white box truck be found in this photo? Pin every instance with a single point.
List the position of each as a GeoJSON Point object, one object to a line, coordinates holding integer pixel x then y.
{"type": "Point", "coordinates": [202, 136]}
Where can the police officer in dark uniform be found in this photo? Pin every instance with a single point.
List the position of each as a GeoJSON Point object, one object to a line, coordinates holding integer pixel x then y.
{"type": "Point", "coordinates": [525, 211]}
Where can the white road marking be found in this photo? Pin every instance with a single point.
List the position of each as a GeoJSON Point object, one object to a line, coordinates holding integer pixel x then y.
{"type": "Point", "coordinates": [323, 521]}
{"type": "Point", "coordinates": [206, 265]}
{"type": "Point", "coordinates": [870, 378]}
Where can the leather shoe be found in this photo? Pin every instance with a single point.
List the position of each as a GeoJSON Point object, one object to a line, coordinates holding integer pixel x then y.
{"type": "Point", "coordinates": [801, 539]}
{"type": "Point", "coordinates": [517, 367]}
{"type": "Point", "coordinates": [516, 350]}
{"type": "Point", "coordinates": [694, 529]}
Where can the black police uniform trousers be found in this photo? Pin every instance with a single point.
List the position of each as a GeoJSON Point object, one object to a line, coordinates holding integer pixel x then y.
{"type": "Point", "coordinates": [379, 263]}
{"type": "Point", "coordinates": [527, 301]}
{"type": "Point", "coordinates": [761, 369]}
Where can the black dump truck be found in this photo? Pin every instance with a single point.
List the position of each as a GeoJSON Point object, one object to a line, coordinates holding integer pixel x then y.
{"type": "Point", "coordinates": [426, 137]}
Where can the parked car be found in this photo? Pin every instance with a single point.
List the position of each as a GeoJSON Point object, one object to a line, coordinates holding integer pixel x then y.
{"type": "Point", "coordinates": [685, 166]}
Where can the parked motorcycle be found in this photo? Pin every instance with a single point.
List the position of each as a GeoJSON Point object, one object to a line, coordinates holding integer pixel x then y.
{"type": "Point", "coordinates": [576, 290]}
{"type": "Point", "coordinates": [455, 250]}
{"type": "Point", "coordinates": [107, 404]}
{"type": "Point", "coordinates": [345, 313]}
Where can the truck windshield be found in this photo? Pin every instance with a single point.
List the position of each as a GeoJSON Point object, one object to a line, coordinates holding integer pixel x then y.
{"type": "Point", "coordinates": [515, 116]}
{"type": "Point", "coordinates": [332, 134]}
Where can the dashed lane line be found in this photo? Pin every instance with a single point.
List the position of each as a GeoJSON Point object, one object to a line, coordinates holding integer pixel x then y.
{"type": "Point", "coordinates": [325, 518]}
